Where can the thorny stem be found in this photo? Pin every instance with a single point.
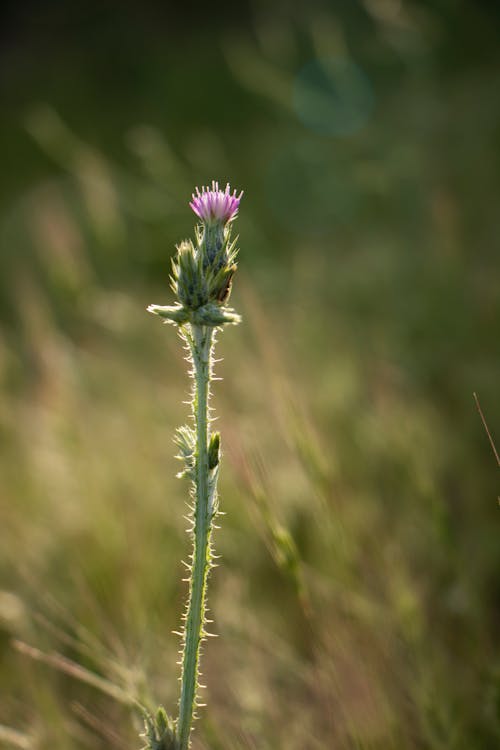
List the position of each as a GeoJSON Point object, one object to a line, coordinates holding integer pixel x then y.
{"type": "Point", "coordinates": [202, 272]}
{"type": "Point", "coordinates": [201, 345]}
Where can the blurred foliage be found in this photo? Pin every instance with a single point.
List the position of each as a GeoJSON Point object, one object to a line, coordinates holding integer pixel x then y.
{"type": "Point", "coordinates": [358, 595]}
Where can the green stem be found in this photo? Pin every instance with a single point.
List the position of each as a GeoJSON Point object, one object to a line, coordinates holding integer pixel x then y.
{"type": "Point", "coordinates": [201, 344]}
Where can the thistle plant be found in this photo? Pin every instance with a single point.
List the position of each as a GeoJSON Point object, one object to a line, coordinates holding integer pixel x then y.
{"type": "Point", "coordinates": [202, 273]}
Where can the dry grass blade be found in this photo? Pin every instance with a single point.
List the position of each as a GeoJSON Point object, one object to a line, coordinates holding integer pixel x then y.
{"type": "Point", "coordinates": [493, 447]}
{"type": "Point", "coordinates": [99, 726]}
{"type": "Point", "coordinates": [61, 663]}
{"type": "Point", "coordinates": [15, 738]}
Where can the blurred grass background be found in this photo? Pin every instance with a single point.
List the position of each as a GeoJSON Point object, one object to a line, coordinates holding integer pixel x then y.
{"type": "Point", "coordinates": [358, 597]}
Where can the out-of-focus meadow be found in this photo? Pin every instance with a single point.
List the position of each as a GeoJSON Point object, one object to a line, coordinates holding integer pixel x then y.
{"type": "Point", "coordinates": [358, 595]}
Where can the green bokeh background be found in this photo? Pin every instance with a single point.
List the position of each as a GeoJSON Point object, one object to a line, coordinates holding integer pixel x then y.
{"type": "Point", "coordinates": [358, 597]}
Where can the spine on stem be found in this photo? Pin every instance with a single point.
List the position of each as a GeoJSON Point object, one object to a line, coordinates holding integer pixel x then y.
{"type": "Point", "coordinates": [201, 279]}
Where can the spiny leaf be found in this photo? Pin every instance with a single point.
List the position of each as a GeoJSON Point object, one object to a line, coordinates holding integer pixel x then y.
{"type": "Point", "coordinates": [159, 731]}
{"type": "Point", "coordinates": [185, 439]}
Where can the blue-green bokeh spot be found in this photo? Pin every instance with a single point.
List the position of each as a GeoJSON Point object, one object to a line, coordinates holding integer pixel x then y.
{"type": "Point", "coordinates": [332, 96]}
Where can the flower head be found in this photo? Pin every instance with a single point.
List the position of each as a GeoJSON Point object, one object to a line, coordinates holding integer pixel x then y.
{"type": "Point", "coordinates": [215, 206]}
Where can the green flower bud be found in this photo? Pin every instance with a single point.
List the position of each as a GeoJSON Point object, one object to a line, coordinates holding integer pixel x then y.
{"type": "Point", "coordinates": [213, 451]}
{"type": "Point", "coordinates": [213, 315]}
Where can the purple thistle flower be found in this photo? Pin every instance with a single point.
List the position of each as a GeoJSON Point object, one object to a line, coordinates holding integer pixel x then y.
{"type": "Point", "coordinates": [215, 206]}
